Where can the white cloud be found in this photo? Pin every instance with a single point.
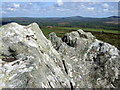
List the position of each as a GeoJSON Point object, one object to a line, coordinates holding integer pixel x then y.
{"type": "Point", "coordinates": [83, 6]}
{"type": "Point", "coordinates": [59, 9]}
{"type": "Point", "coordinates": [59, 2]}
{"type": "Point", "coordinates": [105, 10]}
{"type": "Point", "coordinates": [93, 3]}
{"type": "Point", "coordinates": [62, 9]}
{"type": "Point", "coordinates": [105, 5]}
{"type": "Point", "coordinates": [91, 8]}
{"type": "Point", "coordinates": [11, 9]}
{"type": "Point", "coordinates": [16, 5]}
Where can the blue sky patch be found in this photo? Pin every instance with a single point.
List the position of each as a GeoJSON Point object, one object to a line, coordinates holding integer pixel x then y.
{"type": "Point", "coordinates": [59, 9]}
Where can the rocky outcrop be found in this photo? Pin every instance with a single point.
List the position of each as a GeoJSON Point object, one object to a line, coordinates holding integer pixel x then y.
{"type": "Point", "coordinates": [89, 62]}
{"type": "Point", "coordinates": [77, 60]}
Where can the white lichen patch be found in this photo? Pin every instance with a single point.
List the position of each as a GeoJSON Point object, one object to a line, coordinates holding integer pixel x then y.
{"type": "Point", "coordinates": [10, 78]}
{"type": "Point", "coordinates": [32, 43]}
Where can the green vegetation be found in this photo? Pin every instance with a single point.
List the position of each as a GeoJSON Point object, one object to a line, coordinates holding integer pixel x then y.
{"type": "Point", "coordinates": [105, 29]}
{"type": "Point", "coordinates": [76, 21]}
{"type": "Point", "coordinates": [109, 36]}
{"type": "Point", "coordinates": [68, 29]}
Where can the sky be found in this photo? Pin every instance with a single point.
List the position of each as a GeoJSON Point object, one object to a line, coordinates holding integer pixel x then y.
{"type": "Point", "coordinates": [59, 8]}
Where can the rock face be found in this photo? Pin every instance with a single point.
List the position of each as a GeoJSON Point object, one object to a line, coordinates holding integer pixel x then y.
{"type": "Point", "coordinates": [77, 60]}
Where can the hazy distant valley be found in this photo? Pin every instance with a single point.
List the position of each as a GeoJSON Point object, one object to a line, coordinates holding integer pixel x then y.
{"type": "Point", "coordinates": [105, 29]}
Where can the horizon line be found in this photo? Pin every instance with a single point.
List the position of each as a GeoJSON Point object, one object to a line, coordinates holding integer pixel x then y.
{"type": "Point", "coordinates": [56, 16]}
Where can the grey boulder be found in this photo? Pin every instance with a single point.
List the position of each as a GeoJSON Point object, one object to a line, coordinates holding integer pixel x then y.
{"type": "Point", "coordinates": [77, 60]}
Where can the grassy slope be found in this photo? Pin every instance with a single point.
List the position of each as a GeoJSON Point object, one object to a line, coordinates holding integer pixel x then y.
{"type": "Point", "coordinates": [102, 30]}
{"type": "Point", "coordinates": [66, 29]}
{"type": "Point", "coordinates": [109, 36]}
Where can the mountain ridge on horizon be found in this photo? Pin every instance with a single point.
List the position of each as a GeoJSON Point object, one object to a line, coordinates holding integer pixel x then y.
{"type": "Point", "coordinates": [110, 23]}
{"type": "Point", "coordinates": [67, 17]}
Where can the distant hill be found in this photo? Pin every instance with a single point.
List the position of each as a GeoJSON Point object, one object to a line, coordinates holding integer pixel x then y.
{"type": "Point", "coordinates": [109, 23]}
{"type": "Point", "coordinates": [114, 17]}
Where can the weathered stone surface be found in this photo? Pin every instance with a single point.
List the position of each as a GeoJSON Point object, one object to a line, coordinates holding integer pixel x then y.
{"type": "Point", "coordinates": [89, 62]}
{"type": "Point", "coordinates": [36, 64]}
{"type": "Point", "coordinates": [78, 60]}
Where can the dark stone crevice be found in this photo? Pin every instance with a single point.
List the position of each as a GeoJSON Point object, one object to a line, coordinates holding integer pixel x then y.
{"type": "Point", "coordinates": [13, 52]}
{"type": "Point", "coordinates": [11, 57]}
{"type": "Point", "coordinates": [57, 48]}
{"type": "Point", "coordinates": [27, 82]}
{"type": "Point", "coordinates": [50, 69]}
{"type": "Point", "coordinates": [71, 85]}
{"type": "Point", "coordinates": [8, 59]}
{"type": "Point", "coordinates": [65, 66]}
{"type": "Point", "coordinates": [82, 35]}
{"type": "Point", "coordinates": [71, 43]}
{"type": "Point", "coordinates": [50, 84]}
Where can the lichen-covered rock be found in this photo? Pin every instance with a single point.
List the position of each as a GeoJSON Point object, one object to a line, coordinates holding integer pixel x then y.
{"type": "Point", "coordinates": [90, 63]}
{"type": "Point", "coordinates": [28, 59]}
{"type": "Point", "coordinates": [78, 60]}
